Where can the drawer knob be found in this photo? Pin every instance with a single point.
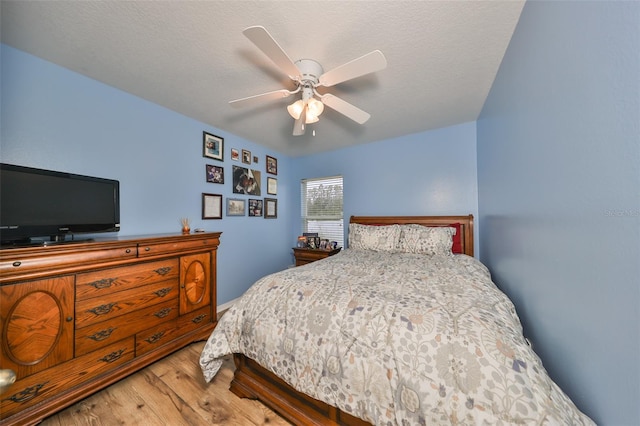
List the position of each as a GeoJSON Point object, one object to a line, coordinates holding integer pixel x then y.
{"type": "Point", "coordinates": [102, 335]}
{"type": "Point", "coordinates": [69, 319]}
{"type": "Point", "coordinates": [27, 393]}
{"type": "Point", "coordinates": [102, 309]}
{"type": "Point", "coordinates": [17, 263]}
{"type": "Point", "coordinates": [163, 312]}
{"type": "Point", "coordinates": [155, 337]}
{"type": "Point", "coordinates": [127, 251]}
{"type": "Point", "coordinates": [113, 356]}
{"type": "Point", "coordinates": [198, 319]}
{"type": "Point", "coordinates": [163, 271]}
{"type": "Point", "coordinates": [163, 292]}
{"type": "Point", "coordinates": [103, 283]}
{"type": "Point", "coordinates": [147, 248]}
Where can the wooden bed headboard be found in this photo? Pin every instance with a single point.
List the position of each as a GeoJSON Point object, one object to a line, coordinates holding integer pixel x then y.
{"type": "Point", "coordinates": [463, 239]}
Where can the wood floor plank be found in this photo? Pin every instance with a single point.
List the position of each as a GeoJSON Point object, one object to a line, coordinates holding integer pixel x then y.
{"type": "Point", "coordinates": [171, 391]}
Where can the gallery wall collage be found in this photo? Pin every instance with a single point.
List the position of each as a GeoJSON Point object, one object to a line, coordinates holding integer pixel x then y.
{"type": "Point", "coordinates": [250, 197]}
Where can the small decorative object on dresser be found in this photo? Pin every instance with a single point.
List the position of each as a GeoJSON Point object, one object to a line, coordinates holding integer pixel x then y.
{"type": "Point", "coordinates": [185, 222]}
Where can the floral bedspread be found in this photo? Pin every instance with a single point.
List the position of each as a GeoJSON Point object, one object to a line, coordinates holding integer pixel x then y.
{"type": "Point", "coordinates": [395, 339]}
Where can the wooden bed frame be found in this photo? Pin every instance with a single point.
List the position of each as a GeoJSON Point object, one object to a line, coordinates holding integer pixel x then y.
{"type": "Point", "coordinates": [254, 382]}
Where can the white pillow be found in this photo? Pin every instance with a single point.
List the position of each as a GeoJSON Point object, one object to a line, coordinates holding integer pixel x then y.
{"type": "Point", "coordinates": [429, 240]}
{"type": "Point", "coordinates": [375, 238]}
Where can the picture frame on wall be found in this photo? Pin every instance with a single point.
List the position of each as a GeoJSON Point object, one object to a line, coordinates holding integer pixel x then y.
{"type": "Point", "coordinates": [272, 165]}
{"type": "Point", "coordinates": [236, 207]}
{"type": "Point", "coordinates": [270, 208]}
{"type": "Point", "coordinates": [246, 156]}
{"type": "Point", "coordinates": [255, 207]}
{"type": "Point", "coordinates": [246, 181]}
{"type": "Point", "coordinates": [211, 206]}
{"type": "Point", "coordinates": [212, 146]}
{"type": "Point", "coordinates": [215, 174]}
{"type": "Point", "coordinates": [235, 154]}
{"type": "Point", "coordinates": [272, 186]}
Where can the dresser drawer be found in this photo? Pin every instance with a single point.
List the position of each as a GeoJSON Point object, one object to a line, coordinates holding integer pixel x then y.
{"type": "Point", "coordinates": [99, 309]}
{"type": "Point", "coordinates": [33, 263]}
{"type": "Point", "coordinates": [43, 385]}
{"type": "Point", "coordinates": [175, 246]}
{"type": "Point", "coordinates": [108, 281]}
{"type": "Point", "coordinates": [194, 320]}
{"type": "Point", "coordinates": [155, 337]}
{"type": "Point", "coordinates": [106, 332]}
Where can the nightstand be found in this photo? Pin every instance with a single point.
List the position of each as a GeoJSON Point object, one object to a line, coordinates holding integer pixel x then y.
{"type": "Point", "coordinates": [304, 255]}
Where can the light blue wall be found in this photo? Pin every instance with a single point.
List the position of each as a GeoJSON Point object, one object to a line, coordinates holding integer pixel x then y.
{"type": "Point", "coordinates": [56, 119]}
{"type": "Point", "coordinates": [559, 198]}
{"type": "Point", "coordinates": [430, 173]}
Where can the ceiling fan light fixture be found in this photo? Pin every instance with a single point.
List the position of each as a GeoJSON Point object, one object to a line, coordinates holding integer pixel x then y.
{"type": "Point", "coordinates": [314, 108]}
{"type": "Point", "coordinates": [295, 109]}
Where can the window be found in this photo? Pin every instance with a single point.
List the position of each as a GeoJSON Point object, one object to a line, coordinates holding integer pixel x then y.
{"type": "Point", "coordinates": [322, 208]}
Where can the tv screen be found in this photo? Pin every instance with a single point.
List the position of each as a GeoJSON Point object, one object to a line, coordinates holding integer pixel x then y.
{"type": "Point", "coordinates": [46, 203]}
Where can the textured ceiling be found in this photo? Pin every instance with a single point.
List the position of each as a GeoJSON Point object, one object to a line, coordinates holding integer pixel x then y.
{"type": "Point", "coordinates": [191, 57]}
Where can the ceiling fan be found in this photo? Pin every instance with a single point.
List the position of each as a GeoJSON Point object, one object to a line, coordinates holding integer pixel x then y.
{"type": "Point", "coordinates": [308, 75]}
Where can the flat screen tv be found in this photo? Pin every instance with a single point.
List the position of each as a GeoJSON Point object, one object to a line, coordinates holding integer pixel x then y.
{"type": "Point", "coordinates": [39, 205]}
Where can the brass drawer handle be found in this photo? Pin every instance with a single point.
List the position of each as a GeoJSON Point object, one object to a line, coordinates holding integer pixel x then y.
{"type": "Point", "coordinates": [155, 337]}
{"type": "Point", "coordinates": [102, 335]}
{"type": "Point", "coordinates": [199, 318]}
{"type": "Point", "coordinates": [163, 271]}
{"type": "Point", "coordinates": [103, 283]}
{"type": "Point", "coordinates": [163, 292]}
{"type": "Point", "coordinates": [26, 394]}
{"type": "Point", "coordinates": [163, 313]}
{"type": "Point", "coordinates": [102, 309]}
{"type": "Point", "coordinates": [113, 356]}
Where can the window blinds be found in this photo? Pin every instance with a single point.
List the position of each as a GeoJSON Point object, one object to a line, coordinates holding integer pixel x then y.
{"type": "Point", "coordinates": [322, 208]}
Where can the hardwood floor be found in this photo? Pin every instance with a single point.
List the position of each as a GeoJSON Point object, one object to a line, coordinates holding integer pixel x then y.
{"type": "Point", "coordinates": [170, 392]}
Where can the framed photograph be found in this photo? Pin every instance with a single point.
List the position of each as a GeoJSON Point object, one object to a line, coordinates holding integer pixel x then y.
{"type": "Point", "coordinates": [255, 208]}
{"type": "Point", "coordinates": [235, 207]}
{"type": "Point", "coordinates": [246, 156]}
{"type": "Point", "coordinates": [211, 206]}
{"type": "Point", "coordinates": [272, 165]}
{"type": "Point", "coordinates": [270, 208]}
{"type": "Point", "coordinates": [213, 146]}
{"type": "Point", "coordinates": [272, 186]}
{"type": "Point", "coordinates": [215, 174]}
{"type": "Point", "coordinates": [235, 154]}
{"type": "Point", "coordinates": [246, 181]}
{"type": "Point", "coordinates": [255, 159]}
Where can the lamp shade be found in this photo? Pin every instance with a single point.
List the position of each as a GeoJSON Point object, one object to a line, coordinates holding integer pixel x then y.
{"type": "Point", "coordinates": [295, 109]}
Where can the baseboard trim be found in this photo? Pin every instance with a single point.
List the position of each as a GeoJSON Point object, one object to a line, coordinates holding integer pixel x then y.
{"type": "Point", "coordinates": [221, 309]}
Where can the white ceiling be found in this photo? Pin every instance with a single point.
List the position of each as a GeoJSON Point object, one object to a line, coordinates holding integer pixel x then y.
{"type": "Point", "coordinates": [191, 57]}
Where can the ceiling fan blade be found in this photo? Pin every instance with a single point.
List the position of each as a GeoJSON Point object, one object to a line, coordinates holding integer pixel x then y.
{"type": "Point", "coordinates": [371, 62]}
{"type": "Point", "coordinates": [345, 108]}
{"type": "Point", "coordinates": [299, 125]}
{"type": "Point", "coordinates": [257, 99]}
{"type": "Point", "coordinates": [263, 40]}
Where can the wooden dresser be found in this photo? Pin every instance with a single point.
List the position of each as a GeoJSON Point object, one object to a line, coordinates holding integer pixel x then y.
{"type": "Point", "coordinates": [75, 318]}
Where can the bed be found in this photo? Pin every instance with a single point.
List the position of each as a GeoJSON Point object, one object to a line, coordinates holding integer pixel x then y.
{"type": "Point", "coordinates": [404, 327]}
